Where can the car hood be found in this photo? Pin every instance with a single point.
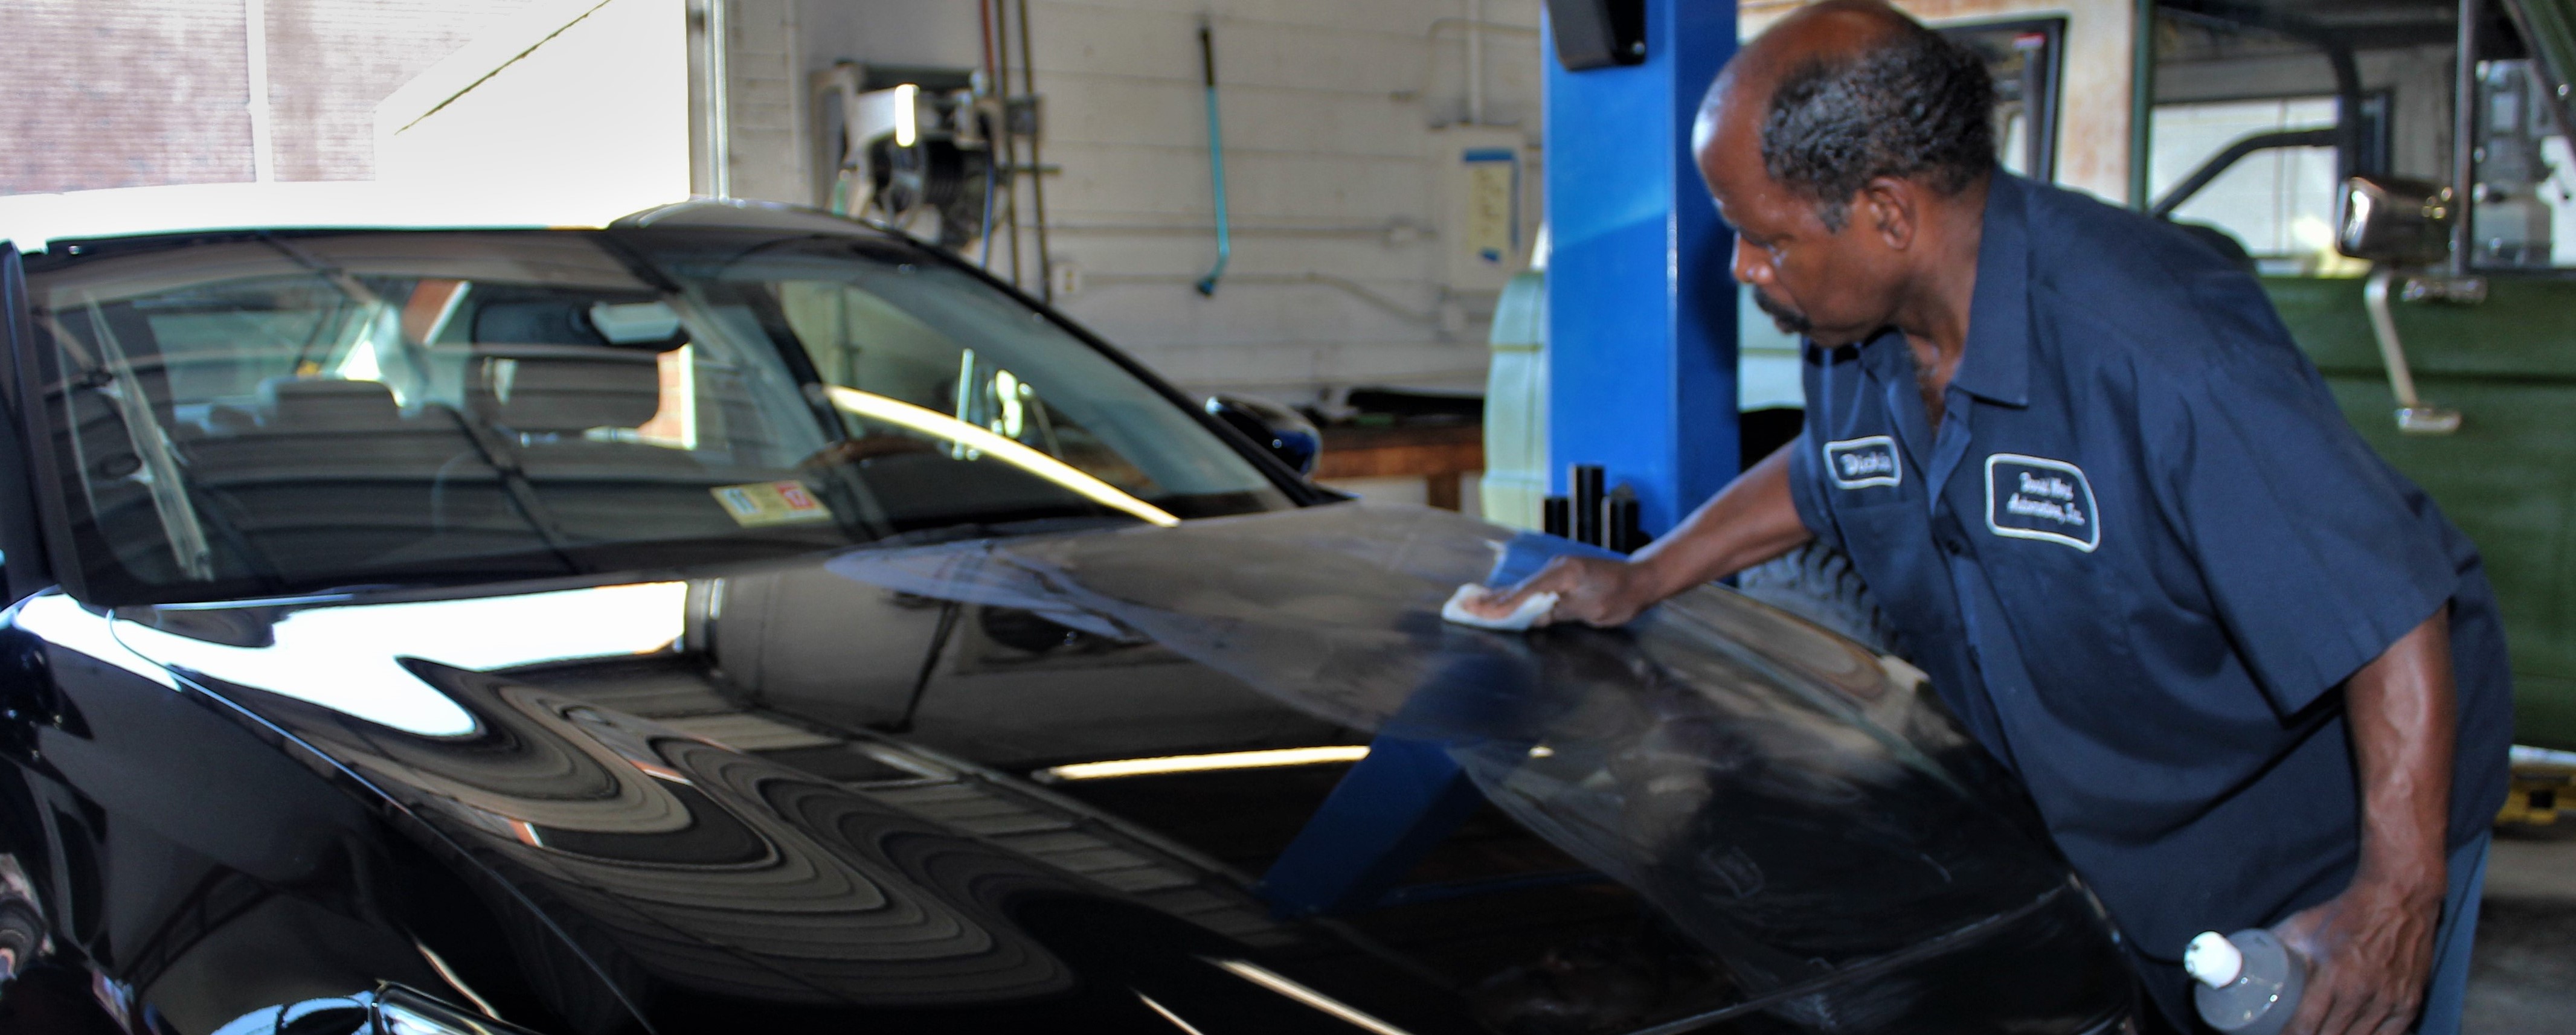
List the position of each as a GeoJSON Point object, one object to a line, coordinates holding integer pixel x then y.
{"type": "Point", "coordinates": [1804, 808]}
{"type": "Point", "coordinates": [1799, 806]}
{"type": "Point", "coordinates": [673, 870]}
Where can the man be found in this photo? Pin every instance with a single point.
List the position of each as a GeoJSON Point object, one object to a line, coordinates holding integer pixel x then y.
{"type": "Point", "coordinates": [2250, 675]}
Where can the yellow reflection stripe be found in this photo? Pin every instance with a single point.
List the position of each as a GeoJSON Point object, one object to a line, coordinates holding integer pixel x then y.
{"type": "Point", "coordinates": [1168, 1015]}
{"type": "Point", "coordinates": [1273, 981]}
{"type": "Point", "coordinates": [1204, 763]}
{"type": "Point", "coordinates": [933, 422]}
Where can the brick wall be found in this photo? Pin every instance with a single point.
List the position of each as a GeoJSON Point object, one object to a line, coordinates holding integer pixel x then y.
{"type": "Point", "coordinates": [137, 93]}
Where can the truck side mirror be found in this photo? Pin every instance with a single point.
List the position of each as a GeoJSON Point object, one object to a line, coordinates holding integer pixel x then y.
{"type": "Point", "coordinates": [1286, 433]}
{"type": "Point", "coordinates": [2393, 221]}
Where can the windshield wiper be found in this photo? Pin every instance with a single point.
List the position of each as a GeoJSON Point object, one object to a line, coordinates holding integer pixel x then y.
{"type": "Point", "coordinates": [966, 530]}
{"type": "Point", "coordinates": [503, 458]}
{"type": "Point", "coordinates": [169, 494]}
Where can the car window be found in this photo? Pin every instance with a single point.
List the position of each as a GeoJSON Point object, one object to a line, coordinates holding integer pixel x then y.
{"type": "Point", "coordinates": [294, 413]}
{"type": "Point", "coordinates": [2278, 203]}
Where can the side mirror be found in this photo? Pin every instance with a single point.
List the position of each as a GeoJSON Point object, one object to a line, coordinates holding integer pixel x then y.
{"type": "Point", "coordinates": [1284, 431]}
{"type": "Point", "coordinates": [2395, 222]}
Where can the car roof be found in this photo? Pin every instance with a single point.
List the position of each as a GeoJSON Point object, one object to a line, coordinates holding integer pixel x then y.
{"type": "Point", "coordinates": [35, 222]}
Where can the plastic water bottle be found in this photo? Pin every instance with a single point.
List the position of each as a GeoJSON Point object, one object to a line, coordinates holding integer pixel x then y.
{"type": "Point", "coordinates": [2248, 982]}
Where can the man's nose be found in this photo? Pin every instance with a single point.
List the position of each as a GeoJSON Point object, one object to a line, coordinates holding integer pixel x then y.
{"type": "Point", "coordinates": [1752, 265]}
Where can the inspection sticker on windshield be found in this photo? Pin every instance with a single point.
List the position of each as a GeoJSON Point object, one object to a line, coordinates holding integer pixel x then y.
{"type": "Point", "coordinates": [2028, 497]}
{"type": "Point", "coordinates": [762, 504]}
{"type": "Point", "coordinates": [1855, 462]}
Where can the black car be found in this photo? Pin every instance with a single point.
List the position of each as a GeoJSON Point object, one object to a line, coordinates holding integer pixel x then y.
{"type": "Point", "coordinates": [740, 619]}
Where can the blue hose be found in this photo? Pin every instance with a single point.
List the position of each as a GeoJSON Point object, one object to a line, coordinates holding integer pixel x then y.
{"type": "Point", "coordinates": [1216, 167]}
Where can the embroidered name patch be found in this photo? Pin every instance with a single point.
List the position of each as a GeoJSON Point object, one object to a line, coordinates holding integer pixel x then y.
{"type": "Point", "coordinates": [2028, 497]}
{"type": "Point", "coordinates": [1856, 462]}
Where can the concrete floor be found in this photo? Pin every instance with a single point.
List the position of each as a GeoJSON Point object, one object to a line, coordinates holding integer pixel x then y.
{"type": "Point", "coordinates": [2524, 978]}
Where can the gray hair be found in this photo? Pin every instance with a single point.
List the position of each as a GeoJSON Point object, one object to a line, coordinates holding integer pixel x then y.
{"type": "Point", "coordinates": [1915, 106]}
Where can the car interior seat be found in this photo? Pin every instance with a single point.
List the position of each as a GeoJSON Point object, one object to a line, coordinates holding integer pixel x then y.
{"type": "Point", "coordinates": [332, 476]}
{"type": "Point", "coordinates": [569, 412]}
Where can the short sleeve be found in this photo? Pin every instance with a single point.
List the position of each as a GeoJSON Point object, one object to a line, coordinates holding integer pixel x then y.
{"type": "Point", "coordinates": [1807, 489]}
{"type": "Point", "coordinates": [2317, 556]}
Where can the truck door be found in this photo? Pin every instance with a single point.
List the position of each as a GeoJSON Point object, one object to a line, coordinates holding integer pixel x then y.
{"type": "Point", "coordinates": [2498, 345]}
{"type": "Point", "coordinates": [2257, 113]}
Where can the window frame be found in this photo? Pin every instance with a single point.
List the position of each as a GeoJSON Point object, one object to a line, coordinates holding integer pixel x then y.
{"type": "Point", "coordinates": [2040, 159]}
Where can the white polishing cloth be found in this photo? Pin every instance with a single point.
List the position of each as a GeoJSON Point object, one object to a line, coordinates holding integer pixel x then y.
{"type": "Point", "coordinates": [1533, 607]}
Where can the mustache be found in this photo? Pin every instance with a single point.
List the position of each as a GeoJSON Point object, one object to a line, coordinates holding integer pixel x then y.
{"type": "Point", "coordinates": [1789, 320]}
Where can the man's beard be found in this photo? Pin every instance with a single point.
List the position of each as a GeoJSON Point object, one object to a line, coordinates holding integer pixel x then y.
{"type": "Point", "coordinates": [1790, 321]}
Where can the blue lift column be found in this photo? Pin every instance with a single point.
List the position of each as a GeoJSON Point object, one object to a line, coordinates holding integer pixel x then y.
{"type": "Point", "coordinates": [1641, 347]}
{"type": "Point", "coordinates": [1641, 306]}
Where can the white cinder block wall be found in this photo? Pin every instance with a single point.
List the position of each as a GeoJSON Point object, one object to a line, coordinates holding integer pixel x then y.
{"type": "Point", "coordinates": [1331, 108]}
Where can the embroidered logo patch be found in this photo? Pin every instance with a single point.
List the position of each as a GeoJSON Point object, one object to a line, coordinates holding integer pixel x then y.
{"type": "Point", "coordinates": [2028, 497]}
{"type": "Point", "coordinates": [1855, 462]}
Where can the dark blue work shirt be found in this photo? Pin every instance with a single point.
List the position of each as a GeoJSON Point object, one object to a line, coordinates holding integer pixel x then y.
{"type": "Point", "coordinates": [2138, 558]}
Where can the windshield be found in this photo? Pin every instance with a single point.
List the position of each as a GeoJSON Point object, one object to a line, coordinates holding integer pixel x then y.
{"type": "Point", "coordinates": [283, 414]}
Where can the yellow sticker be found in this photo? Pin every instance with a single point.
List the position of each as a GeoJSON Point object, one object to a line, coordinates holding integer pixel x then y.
{"type": "Point", "coordinates": [762, 504]}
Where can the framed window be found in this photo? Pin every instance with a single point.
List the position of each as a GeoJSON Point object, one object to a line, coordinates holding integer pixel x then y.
{"type": "Point", "coordinates": [2025, 57]}
{"type": "Point", "coordinates": [2262, 170]}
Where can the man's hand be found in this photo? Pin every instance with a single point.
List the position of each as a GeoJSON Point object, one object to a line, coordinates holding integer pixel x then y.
{"type": "Point", "coordinates": [1590, 590]}
{"type": "Point", "coordinates": [1750, 521]}
{"type": "Point", "coordinates": [2370, 952]}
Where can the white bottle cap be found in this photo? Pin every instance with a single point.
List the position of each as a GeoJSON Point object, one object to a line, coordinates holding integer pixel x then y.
{"type": "Point", "coordinates": [2213, 960]}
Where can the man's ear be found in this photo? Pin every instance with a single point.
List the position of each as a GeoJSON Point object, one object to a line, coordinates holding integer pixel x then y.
{"type": "Point", "coordinates": [1887, 206]}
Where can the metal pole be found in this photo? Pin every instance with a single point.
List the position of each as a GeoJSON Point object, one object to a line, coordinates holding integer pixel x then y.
{"type": "Point", "coordinates": [1641, 313]}
{"type": "Point", "coordinates": [993, 132]}
{"type": "Point", "coordinates": [1037, 177]}
{"type": "Point", "coordinates": [2464, 137]}
{"type": "Point", "coordinates": [263, 135]}
{"type": "Point", "coordinates": [1010, 138]}
{"type": "Point", "coordinates": [719, 102]}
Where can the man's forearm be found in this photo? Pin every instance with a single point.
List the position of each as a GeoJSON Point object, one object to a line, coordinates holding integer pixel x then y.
{"type": "Point", "coordinates": [2371, 947]}
{"type": "Point", "coordinates": [2402, 713]}
{"type": "Point", "coordinates": [1751, 521]}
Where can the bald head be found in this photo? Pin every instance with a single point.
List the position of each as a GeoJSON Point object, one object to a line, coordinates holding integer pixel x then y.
{"type": "Point", "coordinates": [1833, 29]}
{"type": "Point", "coordinates": [1840, 92]}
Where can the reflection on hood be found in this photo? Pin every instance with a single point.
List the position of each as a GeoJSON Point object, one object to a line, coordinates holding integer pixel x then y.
{"type": "Point", "coordinates": [1798, 805]}
{"type": "Point", "coordinates": [692, 876]}
{"type": "Point", "coordinates": [336, 657]}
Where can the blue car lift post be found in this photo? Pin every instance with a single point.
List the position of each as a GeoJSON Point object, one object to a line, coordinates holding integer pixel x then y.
{"type": "Point", "coordinates": [1642, 375]}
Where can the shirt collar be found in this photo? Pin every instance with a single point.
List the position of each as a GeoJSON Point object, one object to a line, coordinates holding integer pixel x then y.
{"type": "Point", "coordinates": [1996, 364]}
